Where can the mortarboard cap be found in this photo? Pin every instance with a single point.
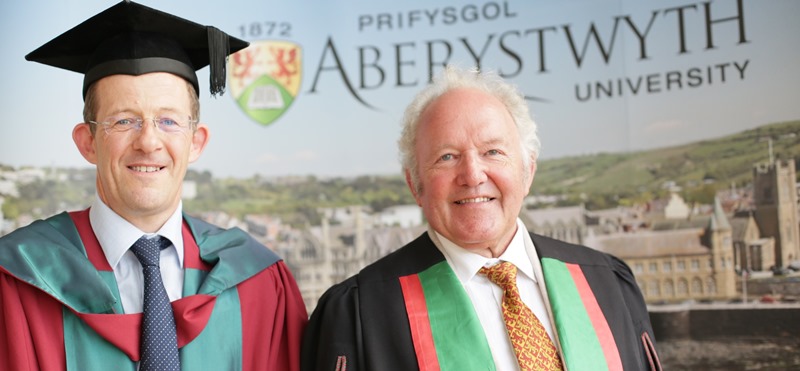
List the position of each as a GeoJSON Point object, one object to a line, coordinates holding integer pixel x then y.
{"type": "Point", "coordinates": [133, 39]}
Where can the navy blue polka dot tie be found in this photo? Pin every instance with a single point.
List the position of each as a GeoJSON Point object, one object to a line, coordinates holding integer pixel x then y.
{"type": "Point", "coordinates": [159, 339]}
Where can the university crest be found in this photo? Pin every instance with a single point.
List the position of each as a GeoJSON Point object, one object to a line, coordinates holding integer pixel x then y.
{"type": "Point", "coordinates": [264, 78]}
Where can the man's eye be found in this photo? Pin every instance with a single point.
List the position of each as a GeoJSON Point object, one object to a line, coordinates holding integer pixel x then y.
{"type": "Point", "coordinates": [166, 121]}
{"type": "Point", "coordinates": [446, 157]}
{"type": "Point", "coordinates": [492, 152]}
{"type": "Point", "coordinates": [125, 122]}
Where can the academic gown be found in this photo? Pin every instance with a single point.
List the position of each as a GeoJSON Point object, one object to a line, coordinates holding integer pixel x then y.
{"type": "Point", "coordinates": [408, 311]}
{"type": "Point", "coordinates": [60, 307]}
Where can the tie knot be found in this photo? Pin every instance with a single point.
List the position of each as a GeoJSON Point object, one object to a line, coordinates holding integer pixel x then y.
{"type": "Point", "coordinates": [148, 250]}
{"type": "Point", "coordinates": [503, 274]}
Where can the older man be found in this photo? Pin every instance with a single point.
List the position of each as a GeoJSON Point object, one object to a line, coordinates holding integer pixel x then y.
{"type": "Point", "coordinates": [477, 291]}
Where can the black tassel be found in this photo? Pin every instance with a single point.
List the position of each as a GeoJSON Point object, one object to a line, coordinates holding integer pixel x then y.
{"type": "Point", "coordinates": [218, 50]}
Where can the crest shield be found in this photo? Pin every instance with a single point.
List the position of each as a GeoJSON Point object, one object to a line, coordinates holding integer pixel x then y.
{"type": "Point", "coordinates": [264, 78]}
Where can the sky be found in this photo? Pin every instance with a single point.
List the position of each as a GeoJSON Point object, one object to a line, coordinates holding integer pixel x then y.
{"type": "Point", "coordinates": [667, 85]}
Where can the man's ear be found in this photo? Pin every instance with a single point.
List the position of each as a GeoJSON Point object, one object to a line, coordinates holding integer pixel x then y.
{"type": "Point", "coordinates": [85, 141]}
{"type": "Point", "coordinates": [199, 141]}
{"type": "Point", "coordinates": [411, 186]}
{"type": "Point", "coordinates": [530, 173]}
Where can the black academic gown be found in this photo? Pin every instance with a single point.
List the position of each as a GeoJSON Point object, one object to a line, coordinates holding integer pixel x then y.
{"type": "Point", "coordinates": [362, 321]}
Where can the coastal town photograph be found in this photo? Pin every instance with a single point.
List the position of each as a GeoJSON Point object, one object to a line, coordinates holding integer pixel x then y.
{"type": "Point", "coordinates": [710, 229]}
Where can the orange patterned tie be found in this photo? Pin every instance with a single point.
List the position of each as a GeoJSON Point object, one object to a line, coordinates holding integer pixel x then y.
{"type": "Point", "coordinates": [532, 345]}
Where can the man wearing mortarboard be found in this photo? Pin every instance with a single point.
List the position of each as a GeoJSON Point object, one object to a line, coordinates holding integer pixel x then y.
{"type": "Point", "coordinates": [133, 283]}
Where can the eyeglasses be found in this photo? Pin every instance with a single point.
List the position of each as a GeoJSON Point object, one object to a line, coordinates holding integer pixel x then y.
{"type": "Point", "coordinates": [164, 124]}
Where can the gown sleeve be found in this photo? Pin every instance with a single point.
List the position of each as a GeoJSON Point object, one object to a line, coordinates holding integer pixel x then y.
{"type": "Point", "coordinates": [31, 335]}
{"type": "Point", "coordinates": [637, 308]}
{"type": "Point", "coordinates": [274, 317]}
{"type": "Point", "coordinates": [333, 339]}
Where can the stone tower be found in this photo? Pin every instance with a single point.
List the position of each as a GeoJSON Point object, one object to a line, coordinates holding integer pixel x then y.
{"type": "Point", "coordinates": [775, 199]}
{"type": "Point", "coordinates": [719, 236]}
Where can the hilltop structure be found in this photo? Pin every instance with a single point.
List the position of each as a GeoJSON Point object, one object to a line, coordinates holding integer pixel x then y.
{"type": "Point", "coordinates": [680, 253]}
{"type": "Point", "coordinates": [775, 211]}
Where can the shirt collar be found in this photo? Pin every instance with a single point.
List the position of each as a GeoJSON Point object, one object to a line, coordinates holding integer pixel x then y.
{"type": "Point", "coordinates": [116, 235]}
{"type": "Point", "coordinates": [466, 264]}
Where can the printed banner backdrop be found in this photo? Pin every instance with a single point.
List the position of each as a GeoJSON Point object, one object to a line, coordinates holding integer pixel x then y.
{"type": "Point", "coordinates": [323, 87]}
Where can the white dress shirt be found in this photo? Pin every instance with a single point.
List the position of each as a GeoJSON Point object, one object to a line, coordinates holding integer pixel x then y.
{"type": "Point", "coordinates": [116, 236]}
{"type": "Point", "coordinates": [487, 297]}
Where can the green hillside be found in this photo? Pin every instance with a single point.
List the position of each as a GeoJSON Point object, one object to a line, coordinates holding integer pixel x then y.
{"type": "Point", "coordinates": [699, 168]}
{"type": "Point", "coordinates": [598, 181]}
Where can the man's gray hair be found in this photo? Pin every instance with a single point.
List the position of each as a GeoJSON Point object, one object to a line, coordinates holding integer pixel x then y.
{"type": "Point", "coordinates": [486, 81]}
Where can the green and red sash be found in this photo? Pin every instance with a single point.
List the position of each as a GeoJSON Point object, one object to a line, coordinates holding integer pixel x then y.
{"type": "Point", "coordinates": [447, 334]}
{"type": "Point", "coordinates": [445, 330]}
{"type": "Point", "coordinates": [585, 336]}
